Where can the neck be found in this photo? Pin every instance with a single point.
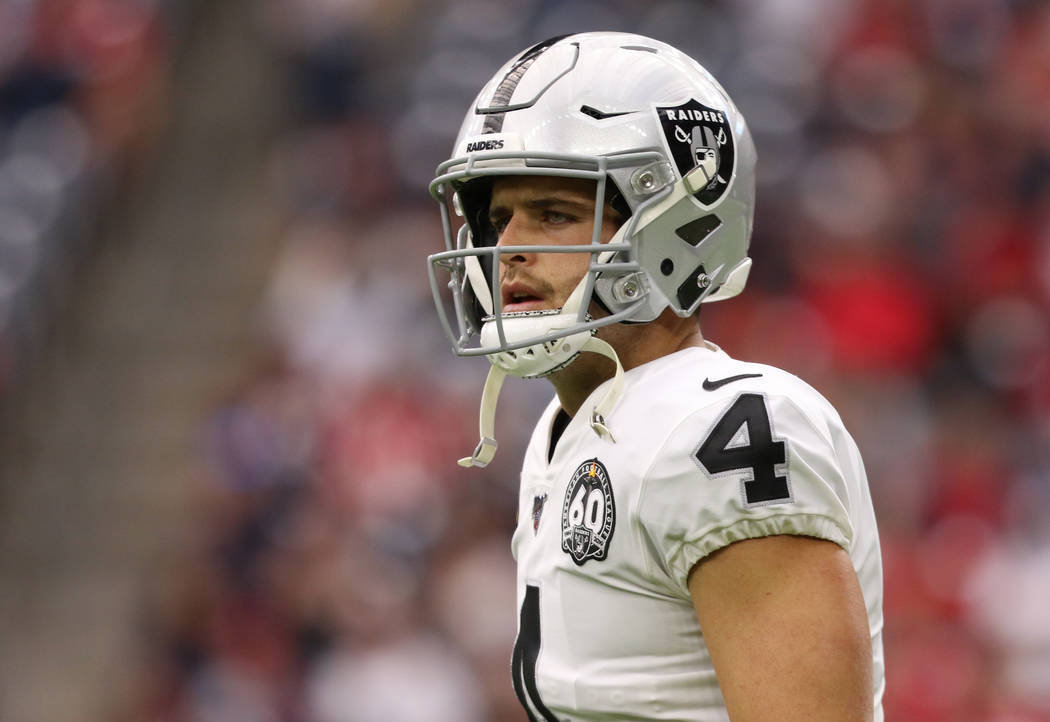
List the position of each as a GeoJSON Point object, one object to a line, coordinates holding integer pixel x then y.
{"type": "Point", "coordinates": [634, 344]}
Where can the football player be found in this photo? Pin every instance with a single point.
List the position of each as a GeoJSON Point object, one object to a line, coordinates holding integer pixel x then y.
{"type": "Point", "coordinates": [695, 536]}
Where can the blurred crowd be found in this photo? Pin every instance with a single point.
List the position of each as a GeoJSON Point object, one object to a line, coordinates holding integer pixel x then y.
{"type": "Point", "coordinates": [347, 570]}
{"type": "Point", "coordinates": [82, 88]}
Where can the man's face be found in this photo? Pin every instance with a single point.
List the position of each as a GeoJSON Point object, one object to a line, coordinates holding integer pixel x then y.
{"type": "Point", "coordinates": [541, 210]}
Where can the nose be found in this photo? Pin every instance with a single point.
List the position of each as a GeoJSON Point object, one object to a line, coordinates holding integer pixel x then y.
{"type": "Point", "coordinates": [515, 234]}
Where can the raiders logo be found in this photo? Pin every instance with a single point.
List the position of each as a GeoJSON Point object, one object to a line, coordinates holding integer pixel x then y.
{"type": "Point", "coordinates": [700, 137]}
{"type": "Point", "coordinates": [588, 515]}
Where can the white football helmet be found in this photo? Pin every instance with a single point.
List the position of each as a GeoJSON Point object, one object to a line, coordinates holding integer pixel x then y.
{"type": "Point", "coordinates": [663, 142]}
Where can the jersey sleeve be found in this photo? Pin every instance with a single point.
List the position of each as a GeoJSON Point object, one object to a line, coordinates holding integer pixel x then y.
{"type": "Point", "coordinates": [745, 466]}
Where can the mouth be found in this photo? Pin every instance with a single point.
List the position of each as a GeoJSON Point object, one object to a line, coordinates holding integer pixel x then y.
{"type": "Point", "coordinates": [518, 298]}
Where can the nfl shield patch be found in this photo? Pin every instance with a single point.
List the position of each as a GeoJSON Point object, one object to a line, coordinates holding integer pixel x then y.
{"type": "Point", "coordinates": [538, 502]}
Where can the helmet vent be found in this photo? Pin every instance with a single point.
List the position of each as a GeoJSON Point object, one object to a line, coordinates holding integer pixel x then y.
{"type": "Point", "coordinates": [641, 48]}
{"type": "Point", "coordinates": [694, 232]}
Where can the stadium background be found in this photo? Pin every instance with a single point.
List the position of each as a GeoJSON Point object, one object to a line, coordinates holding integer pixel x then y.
{"type": "Point", "coordinates": [227, 478]}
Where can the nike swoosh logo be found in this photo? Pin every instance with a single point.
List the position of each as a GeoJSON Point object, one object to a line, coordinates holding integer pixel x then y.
{"type": "Point", "coordinates": [710, 385]}
{"type": "Point", "coordinates": [599, 115]}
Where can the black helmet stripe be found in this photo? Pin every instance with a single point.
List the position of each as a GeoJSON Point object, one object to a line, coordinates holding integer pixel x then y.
{"type": "Point", "coordinates": [505, 89]}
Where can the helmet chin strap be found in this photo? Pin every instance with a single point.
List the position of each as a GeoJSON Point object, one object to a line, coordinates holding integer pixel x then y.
{"type": "Point", "coordinates": [486, 448]}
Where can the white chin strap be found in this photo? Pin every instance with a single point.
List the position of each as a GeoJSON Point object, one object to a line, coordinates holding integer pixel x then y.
{"type": "Point", "coordinates": [486, 448]}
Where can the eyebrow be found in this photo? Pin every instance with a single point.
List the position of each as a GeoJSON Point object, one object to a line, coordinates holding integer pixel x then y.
{"type": "Point", "coordinates": [545, 203]}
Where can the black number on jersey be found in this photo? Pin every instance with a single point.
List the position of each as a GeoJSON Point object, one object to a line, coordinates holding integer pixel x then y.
{"type": "Point", "coordinates": [526, 650]}
{"type": "Point", "coordinates": [725, 450]}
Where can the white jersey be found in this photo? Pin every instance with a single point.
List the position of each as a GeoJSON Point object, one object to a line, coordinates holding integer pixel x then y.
{"type": "Point", "coordinates": [708, 450]}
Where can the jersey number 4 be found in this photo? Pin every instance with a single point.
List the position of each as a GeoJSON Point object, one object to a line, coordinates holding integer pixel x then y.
{"type": "Point", "coordinates": [743, 439]}
{"type": "Point", "coordinates": [526, 652]}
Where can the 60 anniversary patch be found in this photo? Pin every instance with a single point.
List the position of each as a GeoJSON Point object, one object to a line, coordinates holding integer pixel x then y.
{"type": "Point", "coordinates": [588, 515]}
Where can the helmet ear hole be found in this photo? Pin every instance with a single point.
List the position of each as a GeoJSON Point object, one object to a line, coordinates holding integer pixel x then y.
{"type": "Point", "coordinates": [667, 266]}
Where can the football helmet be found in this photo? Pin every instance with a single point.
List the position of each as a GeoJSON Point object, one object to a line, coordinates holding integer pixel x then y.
{"type": "Point", "coordinates": [662, 141]}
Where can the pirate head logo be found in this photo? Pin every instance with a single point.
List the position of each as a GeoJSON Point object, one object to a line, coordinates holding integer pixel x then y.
{"type": "Point", "coordinates": [699, 138]}
{"type": "Point", "coordinates": [588, 515]}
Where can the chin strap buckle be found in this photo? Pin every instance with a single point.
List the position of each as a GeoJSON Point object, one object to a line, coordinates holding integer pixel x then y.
{"type": "Point", "coordinates": [599, 426]}
{"type": "Point", "coordinates": [483, 453]}
{"type": "Point", "coordinates": [486, 448]}
{"type": "Point", "coordinates": [602, 409]}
